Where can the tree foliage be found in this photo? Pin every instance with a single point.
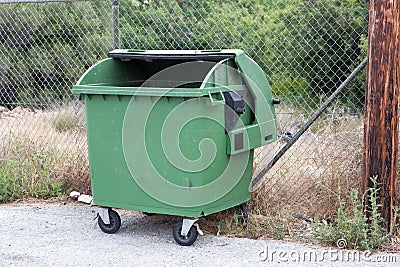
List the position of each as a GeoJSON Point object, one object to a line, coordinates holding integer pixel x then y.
{"type": "Point", "coordinates": [306, 47]}
{"type": "Point", "coordinates": [44, 48]}
{"type": "Point", "coordinates": [326, 43]}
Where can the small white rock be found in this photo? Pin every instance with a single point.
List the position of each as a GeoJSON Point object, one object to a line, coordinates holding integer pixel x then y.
{"type": "Point", "coordinates": [74, 194]}
{"type": "Point", "coordinates": [3, 109]}
{"type": "Point", "coordinates": [21, 110]}
{"type": "Point", "coordinates": [85, 199]}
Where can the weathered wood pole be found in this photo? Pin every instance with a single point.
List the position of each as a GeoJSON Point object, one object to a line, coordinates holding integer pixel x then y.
{"type": "Point", "coordinates": [381, 133]}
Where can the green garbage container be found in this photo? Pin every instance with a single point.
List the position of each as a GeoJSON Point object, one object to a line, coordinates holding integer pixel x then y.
{"type": "Point", "coordinates": [173, 132]}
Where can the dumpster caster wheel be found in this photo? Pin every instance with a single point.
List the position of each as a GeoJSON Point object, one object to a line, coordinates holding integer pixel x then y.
{"type": "Point", "coordinates": [241, 211]}
{"type": "Point", "coordinates": [184, 240]}
{"type": "Point", "coordinates": [115, 223]}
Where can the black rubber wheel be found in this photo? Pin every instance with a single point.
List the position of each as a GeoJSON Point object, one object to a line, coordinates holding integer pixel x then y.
{"type": "Point", "coordinates": [148, 213]}
{"type": "Point", "coordinates": [115, 223]}
{"type": "Point", "coordinates": [184, 240]}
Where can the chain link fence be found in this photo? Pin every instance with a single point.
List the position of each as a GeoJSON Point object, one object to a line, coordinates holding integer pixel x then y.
{"type": "Point", "coordinates": [306, 49]}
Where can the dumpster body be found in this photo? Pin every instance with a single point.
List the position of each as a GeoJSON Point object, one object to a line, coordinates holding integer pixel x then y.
{"type": "Point", "coordinates": [173, 132]}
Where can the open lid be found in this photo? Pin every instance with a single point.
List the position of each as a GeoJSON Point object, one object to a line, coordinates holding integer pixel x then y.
{"type": "Point", "coordinates": [186, 73]}
{"type": "Point", "coordinates": [209, 55]}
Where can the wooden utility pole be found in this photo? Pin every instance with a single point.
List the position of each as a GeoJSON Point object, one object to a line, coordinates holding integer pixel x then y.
{"type": "Point", "coordinates": [381, 131]}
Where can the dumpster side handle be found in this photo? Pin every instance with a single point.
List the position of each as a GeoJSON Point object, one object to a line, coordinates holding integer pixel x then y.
{"type": "Point", "coordinates": [215, 101]}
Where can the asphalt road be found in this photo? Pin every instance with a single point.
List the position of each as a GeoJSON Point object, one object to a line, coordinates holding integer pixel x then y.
{"type": "Point", "coordinates": [67, 235]}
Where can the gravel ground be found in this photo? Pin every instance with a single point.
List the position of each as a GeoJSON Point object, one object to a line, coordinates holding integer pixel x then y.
{"type": "Point", "coordinates": [66, 235]}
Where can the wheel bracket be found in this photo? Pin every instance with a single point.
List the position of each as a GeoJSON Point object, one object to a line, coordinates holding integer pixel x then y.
{"type": "Point", "coordinates": [103, 213]}
{"type": "Point", "coordinates": [198, 229]}
{"type": "Point", "coordinates": [186, 225]}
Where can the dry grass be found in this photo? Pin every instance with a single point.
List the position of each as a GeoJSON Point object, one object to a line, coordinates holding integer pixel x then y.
{"type": "Point", "coordinates": [46, 127]}
{"type": "Point", "coordinates": [65, 121]}
{"type": "Point", "coordinates": [28, 170]}
{"type": "Point", "coordinates": [305, 180]}
{"type": "Point", "coordinates": [31, 142]}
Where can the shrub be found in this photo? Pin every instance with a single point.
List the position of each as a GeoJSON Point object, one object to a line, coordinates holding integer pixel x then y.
{"type": "Point", "coordinates": [353, 228]}
{"type": "Point", "coordinates": [65, 121]}
{"type": "Point", "coordinates": [25, 172]}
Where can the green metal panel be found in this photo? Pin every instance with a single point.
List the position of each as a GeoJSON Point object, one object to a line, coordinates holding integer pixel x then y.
{"type": "Point", "coordinates": [112, 165]}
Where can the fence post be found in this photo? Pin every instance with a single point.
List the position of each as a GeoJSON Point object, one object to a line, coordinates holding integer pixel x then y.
{"type": "Point", "coordinates": [381, 105]}
{"type": "Point", "coordinates": [115, 19]}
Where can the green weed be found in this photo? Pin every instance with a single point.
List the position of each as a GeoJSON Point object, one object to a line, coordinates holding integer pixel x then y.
{"type": "Point", "coordinates": [28, 171]}
{"type": "Point", "coordinates": [356, 227]}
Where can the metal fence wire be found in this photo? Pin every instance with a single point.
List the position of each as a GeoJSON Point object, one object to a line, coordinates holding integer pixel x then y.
{"type": "Point", "coordinates": [306, 49]}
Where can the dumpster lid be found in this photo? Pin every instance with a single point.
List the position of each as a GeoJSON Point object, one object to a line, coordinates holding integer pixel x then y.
{"type": "Point", "coordinates": [216, 54]}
